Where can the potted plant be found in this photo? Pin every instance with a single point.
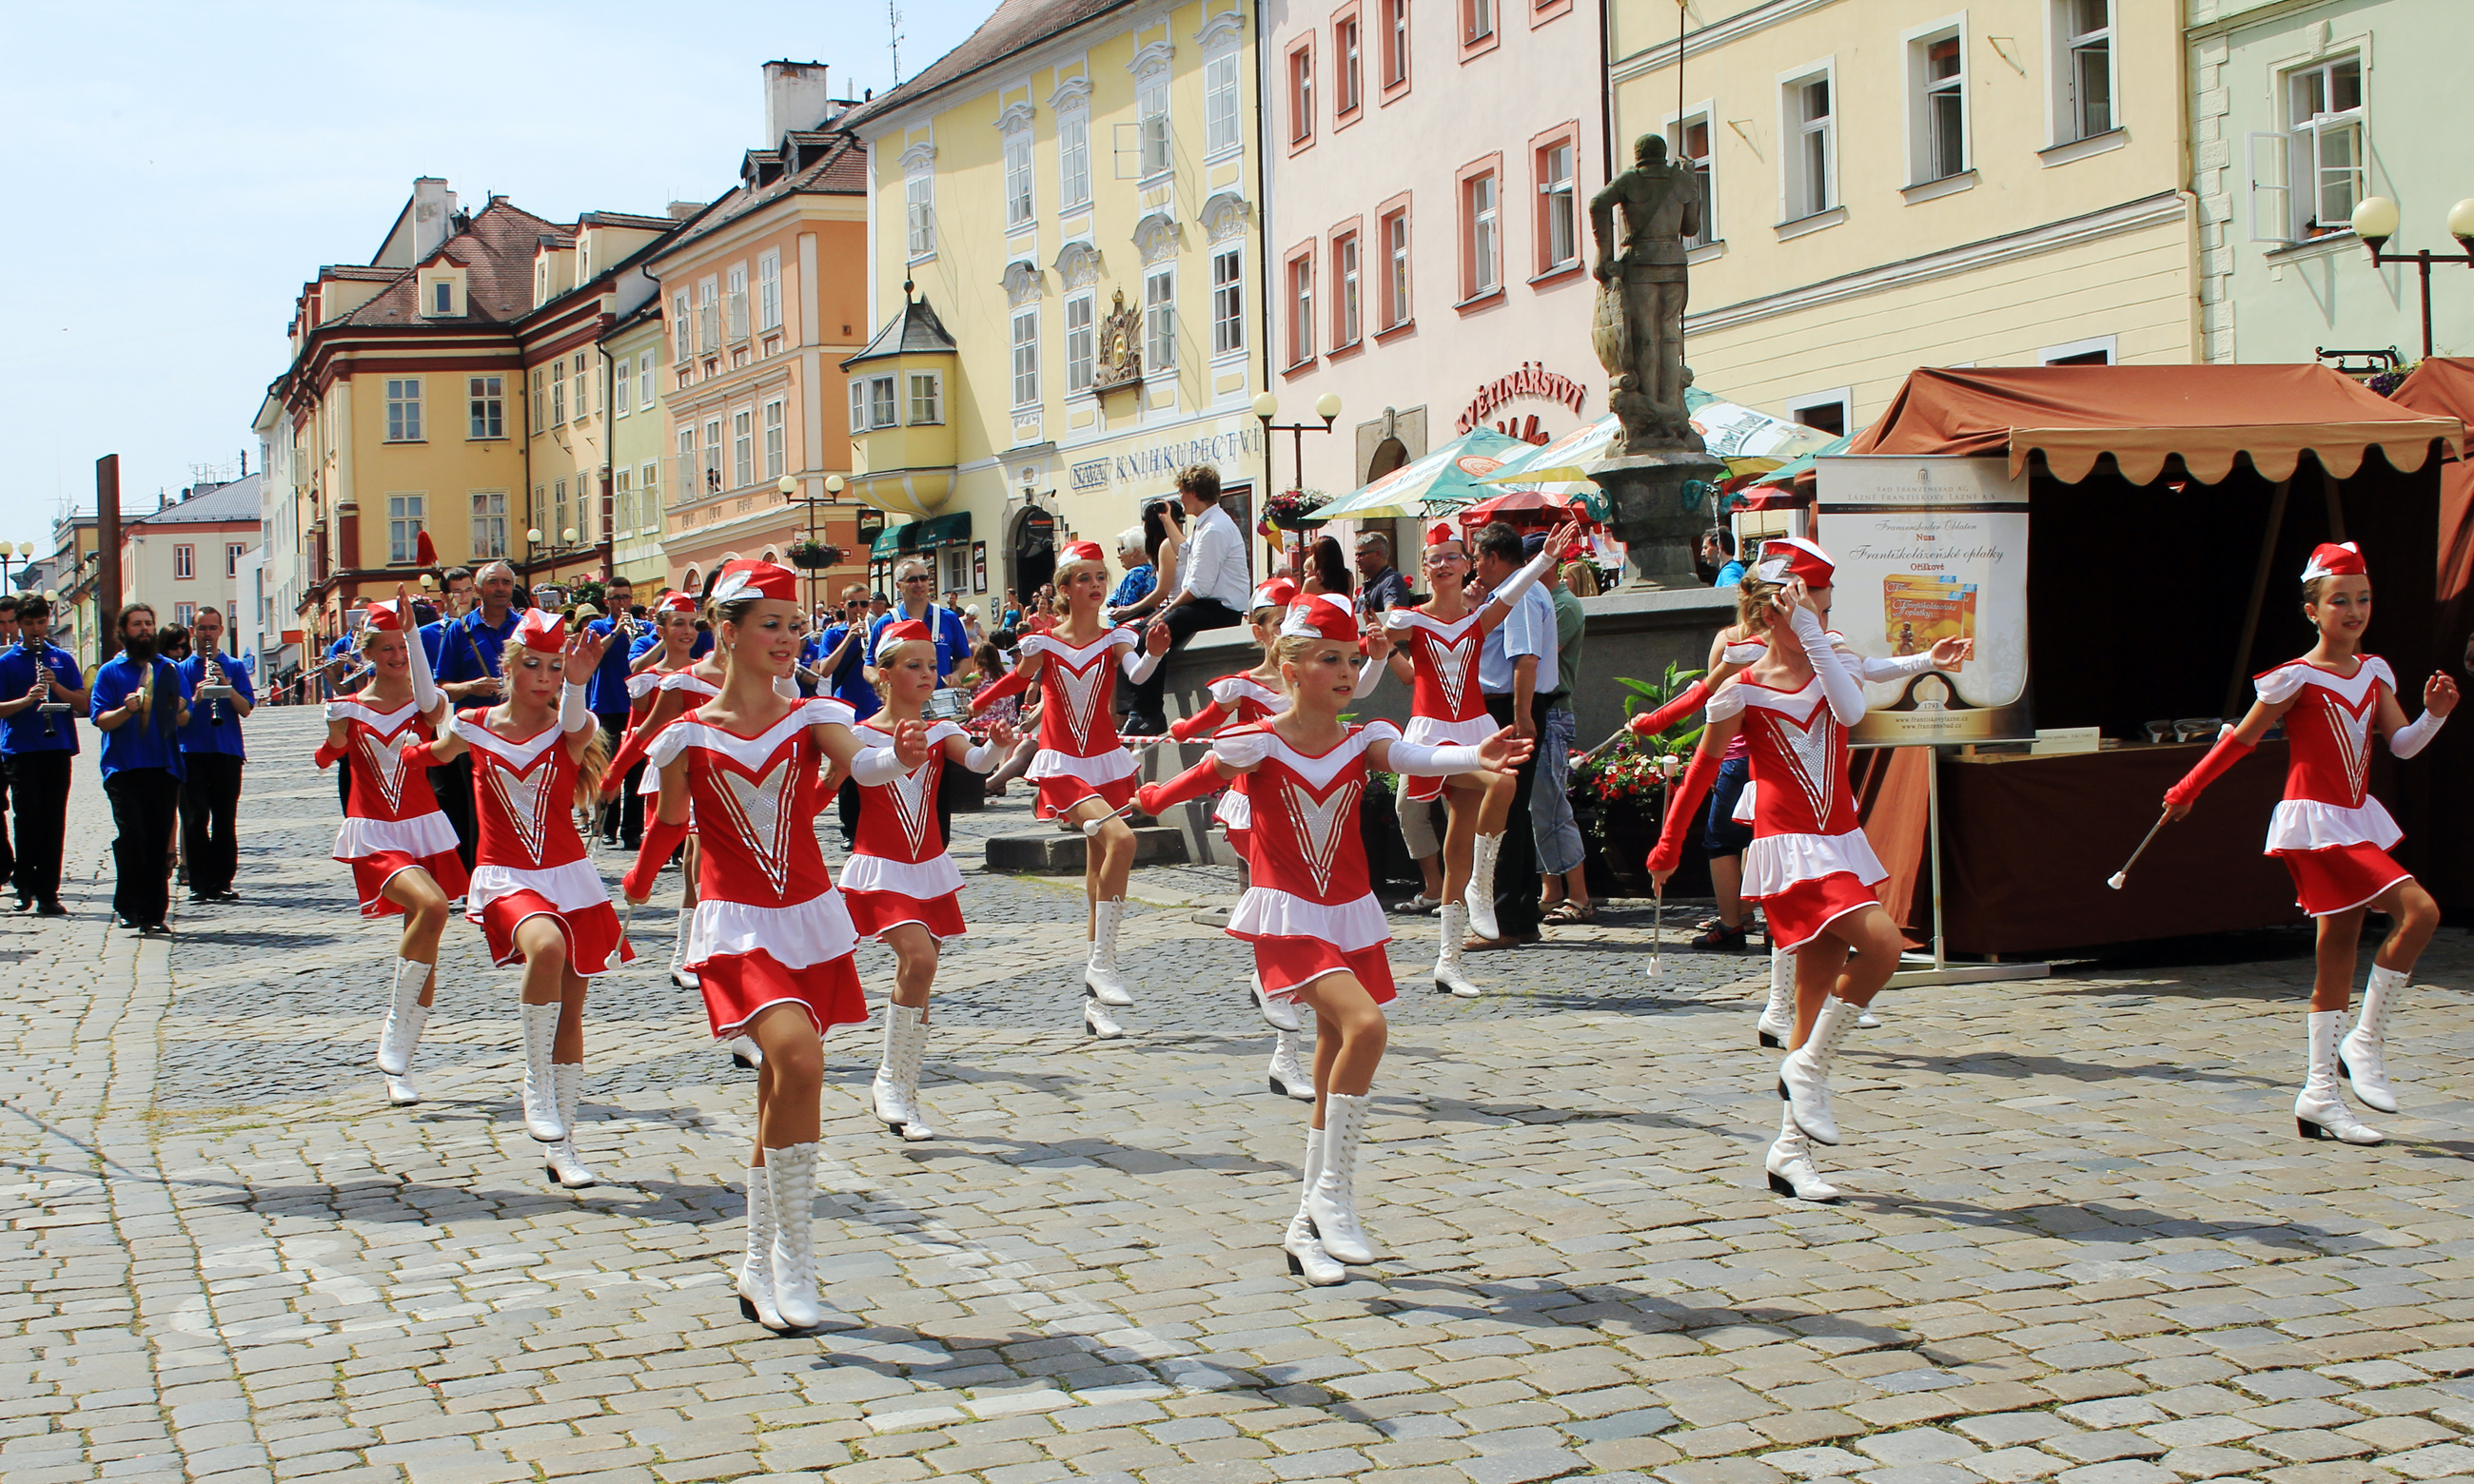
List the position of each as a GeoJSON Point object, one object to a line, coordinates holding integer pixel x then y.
{"type": "Point", "coordinates": [814, 555]}
{"type": "Point", "coordinates": [1619, 795]}
{"type": "Point", "coordinates": [1292, 510]}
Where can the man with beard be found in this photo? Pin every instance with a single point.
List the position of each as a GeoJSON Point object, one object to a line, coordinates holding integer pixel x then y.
{"type": "Point", "coordinates": [140, 703]}
{"type": "Point", "coordinates": [37, 747]}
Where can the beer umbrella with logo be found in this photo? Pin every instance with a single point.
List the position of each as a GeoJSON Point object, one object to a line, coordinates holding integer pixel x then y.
{"type": "Point", "coordinates": [1449, 477]}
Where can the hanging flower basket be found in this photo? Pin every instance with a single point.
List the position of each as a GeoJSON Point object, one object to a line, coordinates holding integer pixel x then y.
{"type": "Point", "coordinates": [814, 555]}
{"type": "Point", "coordinates": [1292, 510]}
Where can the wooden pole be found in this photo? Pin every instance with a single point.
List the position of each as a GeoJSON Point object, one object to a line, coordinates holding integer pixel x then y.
{"type": "Point", "coordinates": [107, 557]}
{"type": "Point", "coordinates": [2258, 596]}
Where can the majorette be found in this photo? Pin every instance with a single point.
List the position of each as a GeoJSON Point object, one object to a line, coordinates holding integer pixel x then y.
{"type": "Point", "coordinates": [658, 695]}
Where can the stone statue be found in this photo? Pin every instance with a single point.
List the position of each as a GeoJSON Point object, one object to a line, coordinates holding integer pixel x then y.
{"type": "Point", "coordinates": [1641, 305]}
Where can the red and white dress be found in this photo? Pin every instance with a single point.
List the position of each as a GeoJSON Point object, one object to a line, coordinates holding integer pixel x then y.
{"type": "Point", "coordinates": [694, 687]}
{"type": "Point", "coordinates": [1079, 755]}
{"type": "Point", "coordinates": [768, 925]}
{"type": "Point", "coordinates": [1808, 864]}
{"type": "Point", "coordinates": [391, 820]}
{"type": "Point", "coordinates": [531, 862]}
{"type": "Point", "coordinates": [1310, 909]}
{"type": "Point", "coordinates": [1242, 701]}
{"type": "Point", "coordinates": [1446, 705]}
{"type": "Point", "coordinates": [2332, 834]}
{"type": "Point", "coordinates": [899, 870]}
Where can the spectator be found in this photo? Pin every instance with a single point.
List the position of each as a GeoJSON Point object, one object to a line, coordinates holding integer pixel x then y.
{"type": "Point", "coordinates": [971, 629]}
{"type": "Point", "coordinates": [619, 822]}
{"type": "Point", "coordinates": [1565, 890]}
{"type": "Point", "coordinates": [1137, 592]}
{"type": "Point", "coordinates": [1517, 671]}
{"type": "Point", "coordinates": [140, 703]}
{"type": "Point", "coordinates": [1383, 587]}
{"type": "Point", "coordinates": [7, 642]}
{"type": "Point", "coordinates": [1718, 550]}
{"type": "Point", "coordinates": [37, 746]}
{"type": "Point", "coordinates": [212, 756]}
{"type": "Point", "coordinates": [1213, 583]}
{"type": "Point", "coordinates": [1011, 615]}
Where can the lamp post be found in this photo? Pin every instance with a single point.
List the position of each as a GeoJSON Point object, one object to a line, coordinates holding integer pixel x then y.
{"type": "Point", "coordinates": [790, 495]}
{"type": "Point", "coordinates": [2375, 221]}
{"type": "Point", "coordinates": [1267, 407]}
{"type": "Point", "coordinates": [23, 551]}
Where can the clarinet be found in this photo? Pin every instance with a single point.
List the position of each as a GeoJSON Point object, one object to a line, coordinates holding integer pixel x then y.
{"type": "Point", "coordinates": [213, 675]}
{"type": "Point", "coordinates": [49, 707]}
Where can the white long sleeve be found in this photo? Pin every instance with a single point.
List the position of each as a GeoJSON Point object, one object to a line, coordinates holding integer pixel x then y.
{"type": "Point", "coordinates": [1139, 667]}
{"type": "Point", "coordinates": [1871, 669]}
{"type": "Point", "coordinates": [1369, 676]}
{"type": "Point", "coordinates": [1427, 760]}
{"type": "Point", "coordinates": [1838, 681]}
{"type": "Point", "coordinates": [981, 757]}
{"type": "Point", "coordinates": [2416, 734]}
{"type": "Point", "coordinates": [571, 712]}
{"type": "Point", "coordinates": [875, 766]}
{"type": "Point", "coordinates": [1522, 581]}
{"type": "Point", "coordinates": [424, 686]}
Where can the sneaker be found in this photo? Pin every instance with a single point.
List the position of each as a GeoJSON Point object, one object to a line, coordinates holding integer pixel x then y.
{"type": "Point", "coordinates": [1419, 906]}
{"type": "Point", "coordinates": [1719, 938]}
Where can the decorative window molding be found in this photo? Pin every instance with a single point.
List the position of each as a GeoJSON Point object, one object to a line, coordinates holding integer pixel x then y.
{"type": "Point", "coordinates": [1157, 237]}
{"type": "Point", "coordinates": [1226, 215]}
{"type": "Point", "coordinates": [919, 159]}
{"type": "Point", "coordinates": [1153, 58]}
{"type": "Point", "coordinates": [1016, 115]}
{"type": "Point", "coordinates": [1070, 92]}
{"type": "Point", "coordinates": [1079, 266]}
{"type": "Point", "coordinates": [1219, 24]}
{"type": "Point", "coordinates": [1024, 283]}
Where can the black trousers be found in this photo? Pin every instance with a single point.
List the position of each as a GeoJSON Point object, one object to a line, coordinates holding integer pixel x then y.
{"type": "Point", "coordinates": [144, 803]}
{"type": "Point", "coordinates": [209, 810]}
{"type": "Point", "coordinates": [624, 815]}
{"type": "Point", "coordinates": [39, 796]}
{"type": "Point", "coordinates": [1515, 866]}
{"type": "Point", "coordinates": [1144, 702]}
{"type": "Point", "coordinates": [452, 785]}
{"type": "Point", "coordinates": [8, 856]}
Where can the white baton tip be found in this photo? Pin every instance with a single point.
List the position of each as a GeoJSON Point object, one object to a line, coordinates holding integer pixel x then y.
{"type": "Point", "coordinates": [2116, 879]}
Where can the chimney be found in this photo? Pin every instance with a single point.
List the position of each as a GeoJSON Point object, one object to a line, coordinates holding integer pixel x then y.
{"type": "Point", "coordinates": [794, 98]}
{"type": "Point", "coordinates": [681, 210]}
{"type": "Point", "coordinates": [432, 205]}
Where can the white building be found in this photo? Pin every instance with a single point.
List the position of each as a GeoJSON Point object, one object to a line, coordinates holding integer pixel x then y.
{"type": "Point", "coordinates": [187, 554]}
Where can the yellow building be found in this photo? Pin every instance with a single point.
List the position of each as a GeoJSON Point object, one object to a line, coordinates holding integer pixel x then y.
{"type": "Point", "coordinates": [640, 437]}
{"type": "Point", "coordinates": [1069, 202]}
{"type": "Point", "coordinates": [1896, 183]}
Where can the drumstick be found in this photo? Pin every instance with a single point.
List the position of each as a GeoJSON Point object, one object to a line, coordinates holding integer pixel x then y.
{"type": "Point", "coordinates": [2116, 879]}
{"type": "Point", "coordinates": [1657, 927]}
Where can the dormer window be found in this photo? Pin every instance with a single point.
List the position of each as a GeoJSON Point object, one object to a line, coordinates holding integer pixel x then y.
{"type": "Point", "coordinates": [442, 297]}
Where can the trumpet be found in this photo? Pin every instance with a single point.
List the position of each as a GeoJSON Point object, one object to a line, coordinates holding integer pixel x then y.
{"type": "Point", "coordinates": [214, 685]}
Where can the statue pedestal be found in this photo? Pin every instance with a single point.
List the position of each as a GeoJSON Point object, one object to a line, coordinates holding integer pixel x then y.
{"type": "Point", "coordinates": [1657, 522]}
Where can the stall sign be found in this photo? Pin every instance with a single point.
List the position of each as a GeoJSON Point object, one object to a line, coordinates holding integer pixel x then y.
{"type": "Point", "coordinates": [1932, 548]}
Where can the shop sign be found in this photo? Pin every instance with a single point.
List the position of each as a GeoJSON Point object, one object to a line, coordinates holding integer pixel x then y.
{"type": "Point", "coordinates": [1533, 379]}
{"type": "Point", "coordinates": [1932, 548]}
{"type": "Point", "coordinates": [1159, 463]}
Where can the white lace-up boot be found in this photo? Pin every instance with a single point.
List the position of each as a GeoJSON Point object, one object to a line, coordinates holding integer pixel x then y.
{"type": "Point", "coordinates": [1333, 1203]}
{"type": "Point", "coordinates": [2362, 1057]}
{"type": "Point", "coordinates": [1096, 1021]}
{"type": "Point", "coordinates": [1307, 1258]}
{"type": "Point", "coordinates": [1288, 1078]}
{"type": "Point", "coordinates": [790, 1181]}
{"type": "Point", "coordinates": [1450, 977]}
{"type": "Point", "coordinates": [756, 1269]}
{"type": "Point", "coordinates": [1865, 1019]}
{"type": "Point", "coordinates": [746, 1054]}
{"type": "Point", "coordinates": [2319, 1112]}
{"type": "Point", "coordinates": [1100, 975]}
{"type": "Point", "coordinates": [540, 1085]}
{"type": "Point", "coordinates": [680, 974]}
{"type": "Point", "coordinates": [1790, 1164]}
{"type": "Point", "coordinates": [564, 1166]}
{"type": "Point", "coordinates": [896, 1090]}
{"type": "Point", "coordinates": [1778, 1018]}
{"type": "Point", "coordinates": [1280, 1015]}
{"type": "Point", "coordinates": [1479, 898]}
{"type": "Point", "coordinates": [1804, 1073]}
{"type": "Point", "coordinates": [401, 1035]}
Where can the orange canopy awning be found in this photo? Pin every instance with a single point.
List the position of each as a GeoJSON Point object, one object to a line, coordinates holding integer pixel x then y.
{"type": "Point", "coordinates": [2443, 387]}
{"type": "Point", "coordinates": [2206, 415]}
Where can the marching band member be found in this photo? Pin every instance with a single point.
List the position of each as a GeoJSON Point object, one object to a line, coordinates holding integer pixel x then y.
{"type": "Point", "coordinates": [1435, 652]}
{"type": "Point", "coordinates": [901, 883]}
{"type": "Point", "coordinates": [535, 893]}
{"type": "Point", "coordinates": [2333, 836]}
{"type": "Point", "coordinates": [1310, 912]}
{"type": "Point", "coordinates": [1810, 866]}
{"type": "Point", "coordinates": [399, 843]}
{"type": "Point", "coordinates": [673, 683]}
{"type": "Point", "coordinates": [771, 944]}
{"type": "Point", "coordinates": [1084, 771]}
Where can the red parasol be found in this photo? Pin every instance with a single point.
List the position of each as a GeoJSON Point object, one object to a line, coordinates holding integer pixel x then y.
{"type": "Point", "coordinates": [1523, 507]}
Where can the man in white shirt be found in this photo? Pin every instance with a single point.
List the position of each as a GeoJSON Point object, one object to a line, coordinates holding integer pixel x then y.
{"type": "Point", "coordinates": [1214, 582]}
{"type": "Point", "coordinates": [1518, 670]}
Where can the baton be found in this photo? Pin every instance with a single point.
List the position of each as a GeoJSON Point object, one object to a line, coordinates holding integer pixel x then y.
{"type": "Point", "coordinates": [2116, 879]}
{"type": "Point", "coordinates": [1657, 929]}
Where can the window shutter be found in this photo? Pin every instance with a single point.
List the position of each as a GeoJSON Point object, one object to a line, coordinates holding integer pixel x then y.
{"type": "Point", "coordinates": [2272, 189]}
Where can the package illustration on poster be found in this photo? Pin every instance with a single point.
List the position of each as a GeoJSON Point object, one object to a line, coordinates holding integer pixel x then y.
{"type": "Point", "coordinates": [1932, 549]}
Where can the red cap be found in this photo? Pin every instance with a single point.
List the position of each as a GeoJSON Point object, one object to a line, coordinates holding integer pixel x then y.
{"type": "Point", "coordinates": [1442, 531]}
{"type": "Point", "coordinates": [2331, 558]}
{"type": "Point", "coordinates": [1792, 555]}
{"type": "Point", "coordinates": [1325, 614]}
{"type": "Point", "coordinates": [675, 603]}
{"type": "Point", "coordinates": [382, 615]}
{"type": "Point", "coordinates": [1083, 551]}
{"type": "Point", "coordinates": [540, 629]}
{"type": "Point", "coordinates": [748, 578]}
{"type": "Point", "coordinates": [904, 631]}
{"type": "Point", "coordinates": [1278, 592]}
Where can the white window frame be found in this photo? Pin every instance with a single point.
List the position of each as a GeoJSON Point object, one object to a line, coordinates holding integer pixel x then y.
{"type": "Point", "coordinates": [1301, 89]}
{"type": "Point", "coordinates": [2110, 345]}
{"type": "Point", "coordinates": [1477, 21]}
{"type": "Point", "coordinates": [742, 448]}
{"type": "Point", "coordinates": [234, 551]}
{"type": "Point", "coordinates": [486, 414]}
{"type": "Point", "coordinates": [1155, 131]}
{"type": "Point", "coordinates": [713, 455]}
{"type": "Point", "coordinates": [488, 526]}
{"type": "Point", "coordinates": [1073, 158]}
{"type": "Point", "coordinates": [709, 317]}
{"type": "Point", "coordinates": [1301, 308]}
{"type": "Point", "coordinates": [648, 494]}
{"type": "Point", "coordinates": [926, 397]}
{"type": "Point", "coordinates": [1021, 206]}
{"type": "Point", "coordinates": [623, 498]}
{"type": "Point", "coordinates": [736, 297]}
{"type": "Point", "coordinates": [1841, 397]}
{"type": "Point", "coordinates": [883, 411]}
{"type": "Point", "coordinates": [776, 432]}
{"type": "Point", "coordinates": [681, 343]}
{"type": "Point", "coordinates": [1679, 129]}
{"type": "Point", "coordinates": [2062, 43]}
{"type": "Point", "coordinates": [1799, 196]}
{"type": "Point", "coordinates": [646, 393]}
{"type": "Point", "coordinates": [688, 478]}
{"type": "Point", "coordinates": [769, 290]}
{"type": "Point", "coordinates": [1929, 148]}
{"type": "Point", "coordinates": [2311, 134]}
{"type": "Point", "coordinates": [1347, 275]}
{"type": "Point", "coordinates": [184, 614]}
{"type": "Point", "coordinates": [622, 374]}
{"type": "Point", "coordinates": [1223, 130]}
{"type": "Point", "coordinates": [1081, 334]}
{"type": "Point", "coordinates": [1399, 279]}
{"type": "Point", "coordinates": [1558, 203]}
{"type": "Point", "coordinates": [184, 562]}
{"type": "Point", "coordinates": [403, 410]}
{"type": "Point", "coordinates": [1228, 301]}
{"type": "Point", "coordinates": [1348, 66]}
{"type": "Point", "coordinates": [1159, 322]}
{"type": "Point", "coordinates": [558, 393]}
{"type": "Point", "coordinates": [558, 511]}
{"type": "Point", "coordinates": [442, 297]}
{"type": "Point", "coordinates": [405, 515]}
{"type": "Point", "coordinates": [919, 212]}
{"type": "Point", "coordinates": [580, 383]}
{"type": "Point", "coordinates": [858, 423]}
{"type": "Point", "coordinates": [1025, 331]}
{"type": "Point", "coordinates": [1481, 198]}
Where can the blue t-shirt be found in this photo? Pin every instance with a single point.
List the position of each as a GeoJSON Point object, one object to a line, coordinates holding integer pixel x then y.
{"type": "Point", "coordinates": [647, 640]}
{"type": "Point", "coordinates": [34, 730]}
{"type": "Point", "coordinates": [607, 693]}
{"type": "Point", "coordinates": [952, 644]}
{"type": "Point", "coordinates": [472, 648]}
{"type": "Point", "coordinates": [851, 684]}
{"type": "Point", "coordinates": [433, 640]}
{"type": "Point", "coordinates": [214, 726]}
{"type": "Point", "coordinates": [139, 742]}
{"type": "Point", "coordinates": [1729, 575]}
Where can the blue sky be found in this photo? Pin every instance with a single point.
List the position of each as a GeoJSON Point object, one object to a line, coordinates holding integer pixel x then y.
{"type": "Point", "coordinates": [176, 171]}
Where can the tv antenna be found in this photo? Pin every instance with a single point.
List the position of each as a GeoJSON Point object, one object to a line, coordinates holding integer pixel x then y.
{"type": "Point", "coordinates": [893, 26]}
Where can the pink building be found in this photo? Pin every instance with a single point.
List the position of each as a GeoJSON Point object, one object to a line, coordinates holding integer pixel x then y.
{"type": "Point", "coordinates": [1430, 169]}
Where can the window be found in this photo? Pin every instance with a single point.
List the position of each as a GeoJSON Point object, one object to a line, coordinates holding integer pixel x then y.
{"type": "Point", "coordinates": [1692, 147]}
{"type": "Point", "coordinates": [648, 494]}
{"type": "Point", "coordinates": [1396, 44]}
{"type": "Point", "coordinates": [1811, 148]}
{"type": "Point", "coordinates": [736, 299]}
{"type": "Point", "coordinates": [441, 292]}
{"type": "Point", "coordinates": [1343, 285]}
{"type": "Point", "coordinates": [184, 560]}
{"type": "Point", "coordinates": [1477, 21]}
{"type": "Point", "coordinates": [1079, 349]}
{"type": "Point", "coordinates": [926, 398]}
{"type": "Point", "coordinates": [558, 511]}
{"type": "Point", "coordinates": [858, 405]}
{"type": "Point", "coordinates": [1026, 358]}
{"type": "Point", "coordinates": [2324, 121]}
{"type": "Point", "coordinates": [1482, 236]}
{"type": "Point", "coordinates": [234, 551]}
{"type": "Point", "coordinates": [919, 202]}
{"type": "Point", "coordinates": [1826, 411]}
{"type": "Point", "coordinates": [709, 317]}
{"type": "Point", "coordinates": [742, 449]}
{"type": "Point", "coordinates": [689, 483]}
{"type": "Point", "coordinates": [624, 373]}
{"type": "Point", "coordinates": [489, 406]}
{"type": "Point", "coordinates": [1227, 301]}
{"type": "Point", "coordinates": [1072, 159]}
{"type": "Point", "coordinates": [1017, 177]}
{"type": "Point", "coordinates": [1351, 79]}
{"type": "Point", "coordinates": [1301, 95]}
{"type": "Point", "coordinates": [403, 530]}
{"type": "Point", "coordinates": [1396, 269]}
{"type": "Point", "coordinates": [645, 382]}
{"type": "Point", "coordinates": [1301, 285]}
{"type": "Point", "coordinates": [2096, 352]}
{"type": "Point", "coordinates": [1159, 322]}
{"type": "Point", "coordinates": [184, 614]}
{"type": "Point", "coordinates": [713, 456]}
{"type": "Point", "coordinates": [775, 454]}
{"type": "Point", "coordinates": [880, 401]}
{"type": "Point", "coordinates": [403, 409]}
{"type": "Point", "coordinates": [580, 378]}
{"type": "Point", "coordinates": [557, 395]}
{"type": "Point", "coordinates": [1220, 103]}
{"type": "Point", "coordinates": [768, 291]}
{"type": "Point", "coordinates": [1937, 126]}
{"type": "Point", "coordinates": [541, 281]}
{"type": "Point", "coordinates": [488, 523]}
{"type": "Point", "coordinates": [2083, 36]}
{"type": "Point", "coordinates": [1152, 104]}
{"type": "Point", "coordinates": [682, 349]}
{"type": "Point", "coordinates": [1558, 234]}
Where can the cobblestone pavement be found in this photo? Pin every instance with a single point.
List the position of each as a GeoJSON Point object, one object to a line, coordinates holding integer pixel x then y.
{"type": "Point", "coordinates": [2080, 1242]}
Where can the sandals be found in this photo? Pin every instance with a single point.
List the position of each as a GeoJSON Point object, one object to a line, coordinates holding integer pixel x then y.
{"type": "Point", "coordinates": [1571, 911]}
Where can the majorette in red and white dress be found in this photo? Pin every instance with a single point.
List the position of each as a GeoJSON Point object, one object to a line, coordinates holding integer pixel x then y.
{"type": "Point", "coordinates": [391, 820]}
{"type": "Point", "coordinates": [1809, 863]}
{"type": "Point", "coordinates": [1309, 910]}
{"type": "Point", "coordinates": [899, 870]}
{"type": "Point", "coordinates": [531, 862]}
{"type": "Point", "coordinates": [1446, 705]}
{"type": "Point", "coordinates": [2333, 836]}
{"type": "Point", "coordinates": [1079, 753]}
{"type": "Point", "coordinates": [1236, 701]}
{"type": "Point", "coordinates": [768, 925]}
{"type": "Point", "coordinates": [692, 687]}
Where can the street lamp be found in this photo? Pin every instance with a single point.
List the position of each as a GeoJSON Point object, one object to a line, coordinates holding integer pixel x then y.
{"type": "Point", "coordinates": [835, 484]}
{"type": "Point", "coordinates": [23, 551]}
{"type": "Point", "coordinates": [2375, 221]}
{"type": "Point", "coordinates": [1267, 407]}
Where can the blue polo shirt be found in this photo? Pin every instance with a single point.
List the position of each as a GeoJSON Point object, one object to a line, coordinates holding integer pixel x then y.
{"type": "Point", "coordinates": [649, 639]}
{"type": "Point", "coordinates": [204, 734]}
{"type": "Point", "coordinates": [851, 686]}
{"type": "Point", "coordinates": [1729, 575]}
{"type": "Point", "coordinates": [433, 640]}
{"type": "Point", "coordinates": [953, 645]}
{"type": "Point", "coordinates": [34, 731]}
{"type": "Point", "coordinates": [471, 648]}
{"type": "Point", "coordinates": [607, 692]}
{"type": "Point", "coordinates": [136, 743]}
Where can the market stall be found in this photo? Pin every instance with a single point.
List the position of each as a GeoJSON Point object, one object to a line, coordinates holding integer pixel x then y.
{"type": "Point", "coordinates": [2169, 511]}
